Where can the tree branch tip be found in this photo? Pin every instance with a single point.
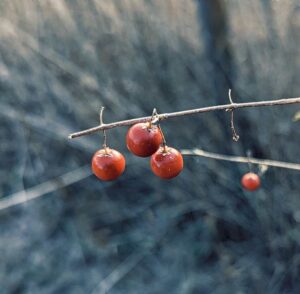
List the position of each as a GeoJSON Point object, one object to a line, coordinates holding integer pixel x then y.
{"type": "Point", "coordinates": [236, 138]}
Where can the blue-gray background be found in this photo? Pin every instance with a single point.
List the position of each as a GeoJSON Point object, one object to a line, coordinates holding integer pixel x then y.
{"type": "Point", "coordinates": [199, 233]}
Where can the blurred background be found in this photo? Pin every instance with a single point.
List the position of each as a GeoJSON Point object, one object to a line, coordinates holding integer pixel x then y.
{"type": "Point", "coordinates": [60, 61]}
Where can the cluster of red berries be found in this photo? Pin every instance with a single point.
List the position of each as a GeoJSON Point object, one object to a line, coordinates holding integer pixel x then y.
{"type": "Point", "coordinates": [143, 140]}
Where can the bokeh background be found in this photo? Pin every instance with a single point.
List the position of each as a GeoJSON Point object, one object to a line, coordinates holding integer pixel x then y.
{"type": "Point", "coordinates": [60, 61]}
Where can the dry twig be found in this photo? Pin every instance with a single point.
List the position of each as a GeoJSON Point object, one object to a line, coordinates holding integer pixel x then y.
{"type": "Point", "coordinates": [240, 159]}
{"type": "Point", "coordinates": [46, 187]}
{"type": "Point", "coordinates": [235, 136]}
{"type": "Point", "coordinates": [164, 116]}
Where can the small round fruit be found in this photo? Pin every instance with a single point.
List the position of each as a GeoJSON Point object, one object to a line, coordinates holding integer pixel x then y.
{"type": "Point", "coordinates": [166, 162]}
{"type": "Point", "coordinates": [108, 164]}
{"type": "Point", "coordinates": [143, 139]}
{"type": "Point", "coordinates": [250, 181]}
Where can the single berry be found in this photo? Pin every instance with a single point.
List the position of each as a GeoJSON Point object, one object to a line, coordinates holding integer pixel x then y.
{"type": "Point", "coordinates": [143, 139]}
{"type": "Point", "coordinates": [108, 164]}
{"type": "Point", "coordinates": [250, 181]}
{"type": "Point", "coordinates": [166, 162]}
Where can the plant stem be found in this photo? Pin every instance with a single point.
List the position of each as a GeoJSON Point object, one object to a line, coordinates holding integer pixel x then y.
{"type": "Point", "coordinates": [163, 116]}
{"type": "Point", "coordinates": [240, 159]}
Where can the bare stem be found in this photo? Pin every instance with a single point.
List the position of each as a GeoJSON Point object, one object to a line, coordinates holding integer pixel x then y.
{"type": "Point", "coordinates": [104, 131]}
{"type": "Point", "coordinates": [101, 115]}
{"type": "Point", "coordinates": [247, 160]}
{"type": "Point", "coordinates": [235, 136]}
{"type": "Point", "coordinates": [154, 117]}
{"type": "Point", "coordinates": [164, 116]}
{"type": "Point", "coordinates": [164, 142]}
{"type": "Point", "coordinates": [229, 96]}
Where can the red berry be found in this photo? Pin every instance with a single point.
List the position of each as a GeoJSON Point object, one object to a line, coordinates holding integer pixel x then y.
{"type": "Point", "coordinates": [143, 139]}
{"type": "Point", "coordinates": [166, 162]}
{"type": "Point", "coordinates": [108, 164]}
{"type": "Point", "coordinates": [250, 181]}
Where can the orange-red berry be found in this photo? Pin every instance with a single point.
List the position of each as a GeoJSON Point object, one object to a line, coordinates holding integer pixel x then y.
{"type": "Point", "coordinates": [108, 164]}
{"type": "Point", "coordinates": [166, 162]}
{"type": "Point", "coordinates": [250, 181]}
{"type": "Point", "coordinates": [143, 139]}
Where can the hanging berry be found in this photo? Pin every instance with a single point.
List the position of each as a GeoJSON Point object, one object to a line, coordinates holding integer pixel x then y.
{"type": "Point", "coordinates": [166, 162]}
{"type": "Point", "coordinates": [143, 139]}
{"type": "Point", "coordinates": [250, 181]}
{"type": "Point", "coordinates": [108, 164]}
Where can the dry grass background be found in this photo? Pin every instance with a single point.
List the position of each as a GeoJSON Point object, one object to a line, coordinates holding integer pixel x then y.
{"type": "Point", "coordinates": [199, 233]}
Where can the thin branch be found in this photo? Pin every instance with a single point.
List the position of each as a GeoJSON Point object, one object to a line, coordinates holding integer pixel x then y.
{"type": "Point", "coordinates": [229, 96]}
{"type": "Point", "coordinates": [164, 116]}
{"type": "Point", "coordinates": [46, 187]}
{"type": "Point", "coordinates": [235, 136]}
{"type": "Point", "coordinates": [154, 117]}
{"type": "Point", "coordinates": [164, 142]}
{"type": "Point", "coordinates": [104, 131]}
{"type": "Point", "coordinates": [240, 159]}
{"type": "Point", "coordinates": [119, 272]}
